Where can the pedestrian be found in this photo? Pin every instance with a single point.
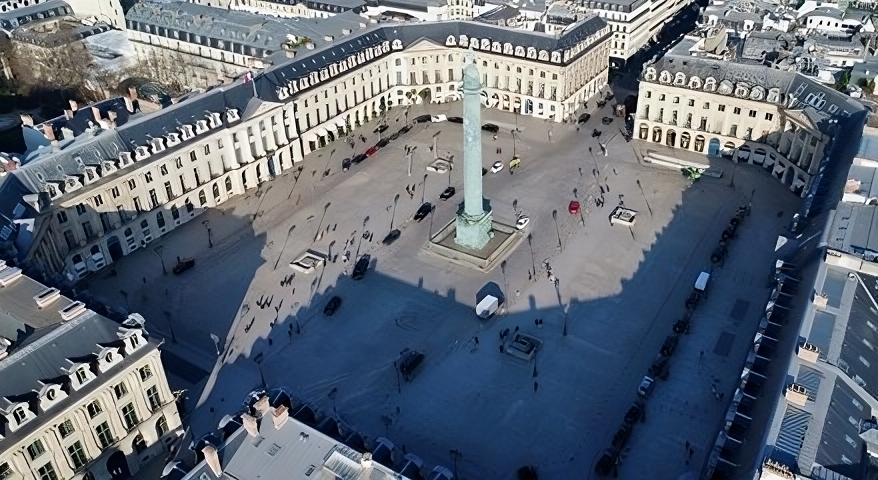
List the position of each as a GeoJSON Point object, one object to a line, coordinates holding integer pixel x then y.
{"type": "Point", "coordinates": [501, 348]}
{"type": "Point", "coordinates": [691, 452]}
{"type": "Point", "coordinates": [476, 338]}
{"type": "Point", "coordinates": [144, 279]}
{"type": "Point", "coordinates": [516, 328]}
{"type": "Point", "coordinates": [537, 322]}
{"type": "Point", "coordinates": [536, 386]}
{"type": "Point", "coordinates": [687, 444]}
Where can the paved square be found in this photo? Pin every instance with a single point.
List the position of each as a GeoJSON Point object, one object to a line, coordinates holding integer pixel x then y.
{"type": "Point", "coordinates": [619, 292]}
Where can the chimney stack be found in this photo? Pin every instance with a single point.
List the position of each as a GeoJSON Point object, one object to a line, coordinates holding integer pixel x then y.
{"type": "Point", "coordinates": [129, 105]}
{"type": "Point", "coordinates": [132, 93]}
{"type": "Point", "coordinates": [212, 459]}
{"type": "Point", "coordinates": [68, 114]}
{"type": "Point", "coordinates": [280, 416]}
{"type": "Point", "coordinates": [27, 119]}
{"type": "Point", "coordinates": [49, 132]}
{"type": "Point", "coordinates": [249, 422]}
{"type": "Point", "coordinates": [96, 113]}
{"type": "Point", "coordinates": [73, 105]}
{"type": "Point", "coordinates": [261, 406]}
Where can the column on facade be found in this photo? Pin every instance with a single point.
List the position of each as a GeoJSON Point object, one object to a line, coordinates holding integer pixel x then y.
{"type": "Point", "coordinates": [243, 146]}
{"type": "Point", "coordinates": [20, 464]}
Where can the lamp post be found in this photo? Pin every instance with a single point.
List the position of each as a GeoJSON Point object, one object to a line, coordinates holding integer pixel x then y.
{"type": "Point", "coordinates": [158, 251]}
{"type": "Point", "coordinates": [557, 229]}
{"type": "Point", "coordinates": [170, 325]}
{"type": "Point", "coordinates": [424, 189]}
{"type": "Point", "coordinates": [533, 259]}
{"type": "Point", "coordinates": [395, 201]}
{"type": "Point", "coordinates": [289, 232]}
{"type": "Point", "coordinates": [644, 197]}
{"type": "Point", "coordinates": [206, 224]}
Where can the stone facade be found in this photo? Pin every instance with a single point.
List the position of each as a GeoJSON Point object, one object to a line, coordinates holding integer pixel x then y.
{"type": "Point", "coordinates": [779, 120]}
{"type": "Point", "coordinates": [122, 187]}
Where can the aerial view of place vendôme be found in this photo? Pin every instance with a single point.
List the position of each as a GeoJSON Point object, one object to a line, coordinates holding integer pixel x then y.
{"type": "Point", "coordinates": [533, 240]}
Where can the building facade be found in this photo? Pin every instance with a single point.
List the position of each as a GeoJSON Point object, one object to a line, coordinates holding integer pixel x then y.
{"type": "Point", "coordinates": [108, 11]}
{"type": "Point", "coordinates": [779, 120]}
{"type": "Point", "coordinates": [118, 187]}
{"type": "Point", "coordinates": [87, 399]}
{"type": "Point", "coordinates": [634, 23]}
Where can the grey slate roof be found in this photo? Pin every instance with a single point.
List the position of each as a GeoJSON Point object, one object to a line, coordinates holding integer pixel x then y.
{"type": "Point", "coordinates": [50, 346]}
{"type": "Point", "coordinates": [854, 229]}
{"type": "Point", "coordinates": [840, 442]}
{"type": "Point", "coordinates": [235, 26]}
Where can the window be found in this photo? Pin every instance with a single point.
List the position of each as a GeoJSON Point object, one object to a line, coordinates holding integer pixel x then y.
{"type": "Point", "coordinates": [178, 162]}
{"type": "Point", "coordinates": [77, 455]}
{"type": "Point", "coordinates": [94, 409]}
{"type": "Point", "coordinates": [721, 108]}
{"type": "Point", "coordinates": [175, 213]}
{"type": "Point", "coordinates": [153, 199]}
{"type": "Point", "coordinates": [36, 449]}
{"type": "Point", "coordinates": [706, 105]}
{"type": "Point", "coordinates": [192, 156]}
{"type": "Point", "coordinates": [147, 176]}
{"type": "Point", "coordinates": [160, 220]}
{"type": "Point", "coordinates": [121, 390]}
{"type": "Point", "coordinates": [152, 395]}
{"type": "Point", "coordinates": [130, 416]}
{"type": "Point", "coordinates": [161, 426]}
{"type": "Point", "coordinates": [168, 191]}
{"type": "Point", "coordinates": [81, 375]}
{"type": "Point", "coordinates": [145, 371]}
{"type": "Point", "coordinates": [47, 472]}
{"type": "Point", "coordinates": [132, 184]}
{"type": "Point", "coordinates": [163, 169]}
{"type": "Point", "coordinates": [62, 216]}
{"type": "Point", "coordinates": [691, 102]}
{"type": "Point", "coordinates": [228, 184]}
{"type": "Point", "coordinates": [19, 415]}
{"type": "Point", "coordinates": [207, 149]}
{"type": "Point", "coordinates": [648, 94]}
{"type": "Point", "coordinates": [752, 113]}
{"type": "Point", "coordinates": [5, 471]}
{"type": "Point", "coordinates": [219, 143]}
{"type": "Point", "coordinates": [99, 200]}
{"type": "Point", "coordinates": [104, 435]}
{"type": "Point", "coordinates": [80, 209]}
{"type": "Point", "coordinates": [737, 110]}
{"type": "Point", "coordinates": [662, 97]}
{"type": "Point", "coordinates": [769, 116]}
{"type": "Point", "coordinates": [676, 99]}
{"type": "Point", "coordinates": [66, 429]}
{"type": "Point", "coordinates": [115, 192]}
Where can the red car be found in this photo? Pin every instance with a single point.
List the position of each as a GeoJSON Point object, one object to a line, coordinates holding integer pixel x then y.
{"type": "Point", "coordinates": [573, 208]}
{"type": "Point", "coordinates": [371, 151]}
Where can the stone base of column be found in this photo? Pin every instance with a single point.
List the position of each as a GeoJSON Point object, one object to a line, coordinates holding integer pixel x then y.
{"type": "Point", "coordinates": [474, 231]}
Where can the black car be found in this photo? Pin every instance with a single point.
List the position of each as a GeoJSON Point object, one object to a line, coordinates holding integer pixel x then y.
{"type": "Point", "coordinates": [183, 265]}
{"type": "Point", "coordinates": [422, 119]}
{"type": "Point", "coordinates": [660, 367]}
{"type": "Point", "coordinates": [455, 119]}
{"type": "Point", "coordinates": [607, 461]}
{"type": "Point", "coordinates": [635, 414]}
{"type": "Point", "coordinates": [391, 237]}
{"type": "Point", "coordinates": [332, 306]}
{"type": "Point", "coordinates": [408, 362]}
{"type": "Point", "coordinates": [584, 118]}
{"type": "Point", "coordinates": [670, 345]}
{"type": "Point", "coordinates": [380, 129]}
{"type": "Point", "coordinates": [448, 193]}
{"type": "Point", "coordinates": [423, 211]}
{"type": "Point", "coordinates": [361, 267]}
{"type": "Point", "coordinates": [405, 129]}
{"type": "Point", "coordinates": [607, 120]}
{"type": "Point", "coordinates": [359, 158]}
{"type": "Point", "coordinates": [383, 143]}
{"type": "Point", "coordinates": [346, 164]}
{"type": "Point", "coordinates": [490, 127]}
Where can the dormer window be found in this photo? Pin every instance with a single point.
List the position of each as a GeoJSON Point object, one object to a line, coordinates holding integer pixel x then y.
{"type": "Point", "coordinates": [232, 114]}
{"type": "Point", "coordinates": [141, 153]}
{"type": "Point", "coordinates": [19, 415]}
{"type": "Point", "coordinates": [134, 341]}
{"type": "Point", "coordinates": [94, 409]}
{"type": "Point", "coordinates": [187, 132]}
{"type": "Point", "coordinates": [81, 375]}
{"type": "Point", "coordinates": [200, 126]}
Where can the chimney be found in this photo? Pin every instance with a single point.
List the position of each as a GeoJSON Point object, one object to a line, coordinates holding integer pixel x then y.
{"type": "Point", "coordinates": [129, 105]}
{"type": "Point", "coordinates": [132, 93]}
{"type": "Point", "coordinates": [261, 406]}
{"type": "Point", "coordinates": [280, 416]}
{"type": "Point", "coordinates": [29, 121]}
{"type": "Point", "coordinates": [212, 459]}
{"type": "Point", "coordinates": [66, 133]}
{"type": "Point", "coordinates": [249, 422]}
{"type": "Point", "coordinates": [96, 114]}
{"type": "Point", "coordinates": [68, 114]}
{"type": "Point", "coordinates": [73, 105]}
{"type": "Point", "coordinates": [366, 460]}
{"type": "Point", "coordinates": [49, 132]}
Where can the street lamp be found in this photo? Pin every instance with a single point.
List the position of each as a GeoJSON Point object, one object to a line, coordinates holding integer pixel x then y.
{"type": "Point", "coordinates": [158, 251]}
{"type": "Point", "coordinates": [395, 201]}
{"type": "Point", "coordinates": [557, 229]}
{"type": "Point", "coordinates": [289, 232]}
{"type": "Point", "coordinates": [216, 342]}
{"type": "Point", "coordinates": [644, 197]}
{"type": "Point", "coordinates": [424, 190]}
{"type": "Point", "coordinates": [533, 259]}
{"type": "Point", "coordinates": [170, 325]}
{"type": "Point", "coordinates": [206, 223]}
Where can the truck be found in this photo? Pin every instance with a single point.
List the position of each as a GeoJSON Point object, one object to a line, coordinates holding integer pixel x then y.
{"type": "Point", "coordinates": [487, 306]}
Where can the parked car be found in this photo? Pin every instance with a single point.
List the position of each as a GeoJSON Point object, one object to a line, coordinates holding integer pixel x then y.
{"type": "Point", "coordinates": [380, 128]}
{"type": "Point", "coordinates": [423, 211]}
{"type": "Point", "coordinates": [621, 436]}
{"type": "Point", "coordinates": [372, 151]}
{"type": "Point", "coordinates": [607, 461]}
{"type": "Point", "coordinates": [637, 413]}
{"type": "Point", "coordinates": [346, 164]}
{"type": "Point", "coordinates": [408, 362]}
{"type": "Point", "coordinates": [490, 127]}
{"type": "Point", "coordinates": [361, 267]}
{"type": "Point", "coordinates": [660, 367]}
{"type": "Point", "coordinates": [357, 159]}
{"type": "Point", "coordinates": [448, 193]}
{"type": "Point", "coordinates": [391, 237]}
{"type": "Point", "coordinates": [670, 345]}
{"type": "Point", "coordinates": [498, 166]}
{"type": "Point", "coordinates": [573, 207]}
{"type": "Point", "coordinates": [422, 119]}
{"type": "Point", "coordinates": [183, 264]}
{"type": "Point", "coordinates": [607, 120]}
{"type": "Point", "coordinates": [332, 306]}
{"type": "Point", "coordinates": [584, 118]}
{"type": "Point", "coordinates": [522, 222]}
{"type": "Point", "coordinates": [455, 119]}
{"type": "Point", "coordinates": [383, 143]}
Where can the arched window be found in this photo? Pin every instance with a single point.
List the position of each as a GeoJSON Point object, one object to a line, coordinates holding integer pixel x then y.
{"type": "Point", "coordinates": [228, 184]}
{"type": "Point", "coordinates": [216, 194]}
{"type": "Point", "coordinates": [138, 445]}
{"type": "Point", "coordinates": [202, 198]}
{"type": "Point", "coordinates": [656, 134]}
{"type": "Point", "coordinates": [685, 139]}
{"type": "Point", "coordinates": [161, 426]}
{"type": "Point", "coordinates": [160, 219]}
{"type": "Point", "coordinates": [644, 131]}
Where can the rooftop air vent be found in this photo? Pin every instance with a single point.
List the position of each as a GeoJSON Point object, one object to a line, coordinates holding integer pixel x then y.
{"type": "Point", "coordinates": [72, 311]}
{"type": "Point", "coordinates": [47, 296]}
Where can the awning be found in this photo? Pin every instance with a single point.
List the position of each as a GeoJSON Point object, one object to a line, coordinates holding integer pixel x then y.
{"type": "Point", "coordinates": [341, 123]}
{"type": "Point", "coordinates": [321, 131]}
{"type": "Point", "coordinates": [310, 137]}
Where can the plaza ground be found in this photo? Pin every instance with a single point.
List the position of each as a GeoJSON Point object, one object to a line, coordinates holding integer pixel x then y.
{"type": "Point", "coordinates": [620, 290]}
